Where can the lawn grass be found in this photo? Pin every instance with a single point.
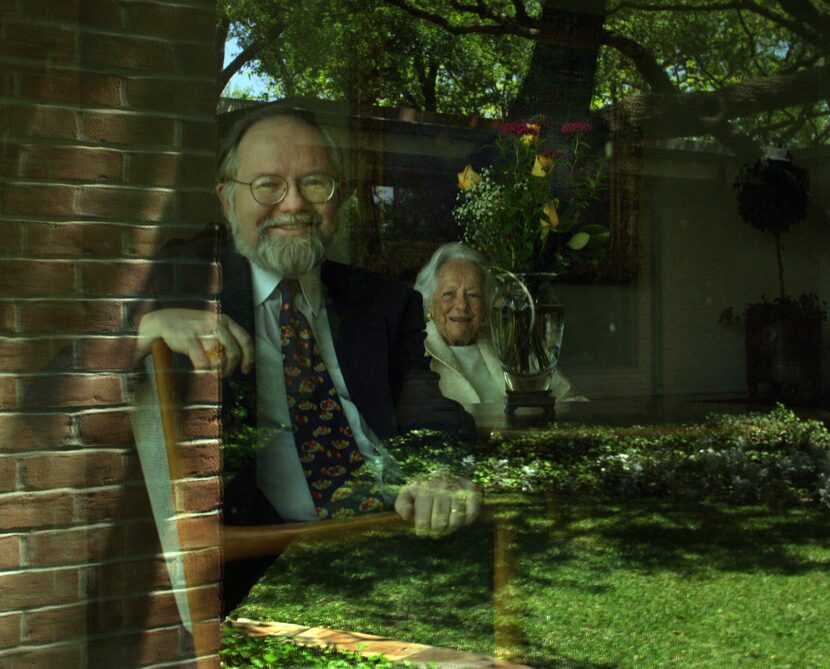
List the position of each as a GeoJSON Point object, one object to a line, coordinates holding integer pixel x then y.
{"type": "Point", "coordinates": [596, 585]}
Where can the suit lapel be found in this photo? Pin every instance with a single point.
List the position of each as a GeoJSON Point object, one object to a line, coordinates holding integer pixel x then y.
{"type": "Point", "coordinates": [359, 339]}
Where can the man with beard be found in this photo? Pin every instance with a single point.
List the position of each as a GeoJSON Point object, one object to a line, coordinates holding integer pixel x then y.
{"type": "Point", "coordinates": [338, 351]}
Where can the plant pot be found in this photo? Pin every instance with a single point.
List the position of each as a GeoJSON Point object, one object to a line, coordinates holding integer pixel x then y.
{"type": "Point", "coordinates": [783, 359]}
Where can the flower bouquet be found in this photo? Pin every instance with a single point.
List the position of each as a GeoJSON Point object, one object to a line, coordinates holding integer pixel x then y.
{"type": "Point", "coordinates": [526, 213]}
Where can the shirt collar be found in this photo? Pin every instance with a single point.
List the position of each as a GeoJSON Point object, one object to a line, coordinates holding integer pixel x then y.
{"type": "Point", "coordinates": [265, 282]}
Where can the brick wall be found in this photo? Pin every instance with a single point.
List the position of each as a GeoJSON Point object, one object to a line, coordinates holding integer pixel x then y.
{"type": "Point", "coordinates": [108, 138]}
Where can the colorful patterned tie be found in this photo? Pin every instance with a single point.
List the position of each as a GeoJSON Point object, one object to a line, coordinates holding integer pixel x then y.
{"type": "Point", "coordinates": [327, 449]}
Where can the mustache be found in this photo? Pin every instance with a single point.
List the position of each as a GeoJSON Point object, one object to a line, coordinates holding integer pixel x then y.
{"type": "Point", "coordinates": [292, 219]}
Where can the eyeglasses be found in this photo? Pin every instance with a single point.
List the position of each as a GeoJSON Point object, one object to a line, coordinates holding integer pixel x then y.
{"type": "Point", "coordinates": [271, 189]}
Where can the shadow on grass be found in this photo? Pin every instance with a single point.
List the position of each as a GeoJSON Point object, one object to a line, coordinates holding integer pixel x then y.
{"type": "Point", "coordinates": [653, 535]}
{"type": "Point", "coordinates": [440, 592]}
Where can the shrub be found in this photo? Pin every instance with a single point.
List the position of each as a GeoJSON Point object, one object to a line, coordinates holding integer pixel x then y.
{"type": "Point", "coordinates": [775, 458]}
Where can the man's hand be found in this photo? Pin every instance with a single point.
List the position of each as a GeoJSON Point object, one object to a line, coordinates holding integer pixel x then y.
{"type": "Point", "coordinates": [211, 341]}
{"type": "Point", "coordinates": [439, 505]}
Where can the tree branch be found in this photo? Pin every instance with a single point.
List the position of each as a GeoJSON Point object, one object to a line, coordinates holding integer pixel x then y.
{"type": "Point", "coordinates": [503, 25]}
{"type": "Point", "coordinates": [691, 114]}
{"type": "Point", "coordinates": [247, 54]}
{"type": "Point", "coordinates": [645, 62]}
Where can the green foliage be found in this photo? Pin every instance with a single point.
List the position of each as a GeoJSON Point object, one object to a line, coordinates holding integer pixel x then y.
{"type": "Point", "coordinates": [774, 458]}
{"type": "Point", "coordinates": [705, 50]}
{"type": "Point", "coordinates": [370, 53]}
{"type": "Point", "coordinates": [241, 651]}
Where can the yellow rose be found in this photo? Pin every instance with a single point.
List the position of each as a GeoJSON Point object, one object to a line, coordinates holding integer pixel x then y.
{"type": "Point", "coordinates": [532, 136]}
{"type": "Point", "coordinates": [468, 178]}
{"type": "Point", "coordinates": [552, 220]}
{"type": "Point", "coordinates": [542, 166]}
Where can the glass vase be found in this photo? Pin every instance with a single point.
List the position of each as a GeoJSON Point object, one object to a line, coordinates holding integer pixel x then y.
{"type": "Point", "coordinates": [526, 322]}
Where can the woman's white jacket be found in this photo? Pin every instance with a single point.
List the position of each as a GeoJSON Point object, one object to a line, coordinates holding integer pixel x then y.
{"type": "Point", "coordinates": [454, 383]}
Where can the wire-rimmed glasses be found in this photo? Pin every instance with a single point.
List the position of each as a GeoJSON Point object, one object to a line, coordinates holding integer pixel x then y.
{"type": "Point", "coordinates": [270, 189]}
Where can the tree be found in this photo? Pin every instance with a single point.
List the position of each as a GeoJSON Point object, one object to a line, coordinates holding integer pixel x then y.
{"type": "Point", "coordinates": [742, 71]}
{"type": "Point", "coordinates": [369, 53]}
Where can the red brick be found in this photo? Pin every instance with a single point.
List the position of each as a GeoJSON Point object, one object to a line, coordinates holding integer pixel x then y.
{"type": "Point", "coordinates": [8, 83]}
{"type": "Point", "coordinates": [71, 163]}
{"type": "Point", "coordinates": [207, 635]}
{"type": "Point", "coordinates": [79, 469]}
{"type": "Point", "coordinates": [123, 128]}
{"type": "Point", "coordinates": [8, 473]}
{"type": "Point", "coordinates": [75, 239]}
{"type": "Point", "coordinates": [204, 389]}
{"type": "Point", "coordinates": [201, 424]}
{"type": "Point", "coordinates": [39, 588]}
{"type": "Point", "coordinates": [199, 135]}
{"type": "Point", "coordinates": [29, 200]}
{"type": "Point", "coordinates": [26, 510]}
{"type": "Point", "coordinates": [37, 277]}
{"type": "Point", "coordinates": [198, 207]}
{"type": "Point", "coordinates": [73, 390]}
{"type": "Point", "coordinates": [174, 170]}
{"type": "Point", "coordinates": [148, 647]}
{"type": "Point", "coordinates": [9, 552]}
{"type": "Point", "coordinates": [74, 546]}
{"type": "Point", "coordinates": [72, 87]}
{"type": "Point", "coordinates": [21, 433]}
{"type": "Point", "coordinates": [100, 13]}
{"type": "Point", "coordinates": [147, 241]}
{"type": "Point", "coordinates": [26, 355]}
{"type": "Point", "coordinates": [200, 531]}
{"type": "Point", "coordinates": [198, 495]}
{"type": "Point", "coordinates": [57, 623]}
{"type": "Point", "coordinates": [166, 95]}
{"type": "Point", "coordinates": [47, 657]}
{"type": "Point", "coordinates": [45, 9]}
{"type": "Point", "coordinates": [132, 277]}
{"type": "Point", "coordinates": [176, 22]}
{"type": "Point", "coordinates": [118, 203]}
{"type": "Point", "coordinates": [77, 316]}
{"type": "Point", "coordinates": [159, 609]}
{"type": "Point", "coordinates": [115, 503]}
{"type": "Point", "coordinates": [106, 428]}
{"type": "Point", "coordinates": [74, 621]}
{"type": "Point", "coordinates": [37, 42]}
{"type": "Point", "coordinates": [31, 120]}
{"type": "Point", "coordinates": [107, 353]}
{"type": "Point", "coordinates": [142, 574]}
{"type": "Point", "coordinates": [10, 630]}
{"type": "Point", "coordinates": [108, 52]}
{"type": "Point", "coordinates": [11, 238]}
{"type": "Point", "coordinates": [196, 60]}
{"type": "Point", "coordinates": [8, 393]}
{"type": "Point", "coordinates": [8, 317]}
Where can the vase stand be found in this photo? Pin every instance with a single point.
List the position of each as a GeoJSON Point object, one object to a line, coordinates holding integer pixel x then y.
{"type": "Point", "coordinates": [541, 402]}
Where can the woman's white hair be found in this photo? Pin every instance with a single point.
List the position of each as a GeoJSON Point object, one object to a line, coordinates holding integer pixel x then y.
{"type": "Point", "coordinates": [426, 282]}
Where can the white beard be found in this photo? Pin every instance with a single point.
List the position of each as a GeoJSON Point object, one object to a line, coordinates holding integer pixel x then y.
{"type": "Point", "coordinates": [289, 256]}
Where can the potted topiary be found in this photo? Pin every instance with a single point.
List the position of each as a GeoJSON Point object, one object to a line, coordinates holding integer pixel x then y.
{"type": "Point", "coordinates": [783, 335]}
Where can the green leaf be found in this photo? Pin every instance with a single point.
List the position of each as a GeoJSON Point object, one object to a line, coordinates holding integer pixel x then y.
{"type": "Point", "coordinates": [579, 240]}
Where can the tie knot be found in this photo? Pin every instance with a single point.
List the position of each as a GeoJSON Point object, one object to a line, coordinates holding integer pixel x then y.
{"type": "Point", "coordinates": [288, 290]}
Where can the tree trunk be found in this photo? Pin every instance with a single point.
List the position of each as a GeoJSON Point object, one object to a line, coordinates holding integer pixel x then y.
{"type": "Point", "coordinates": [560, 81]}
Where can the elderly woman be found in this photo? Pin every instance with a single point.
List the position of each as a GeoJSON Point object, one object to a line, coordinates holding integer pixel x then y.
{"type": "Point", "coordinates": [454, 286]}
